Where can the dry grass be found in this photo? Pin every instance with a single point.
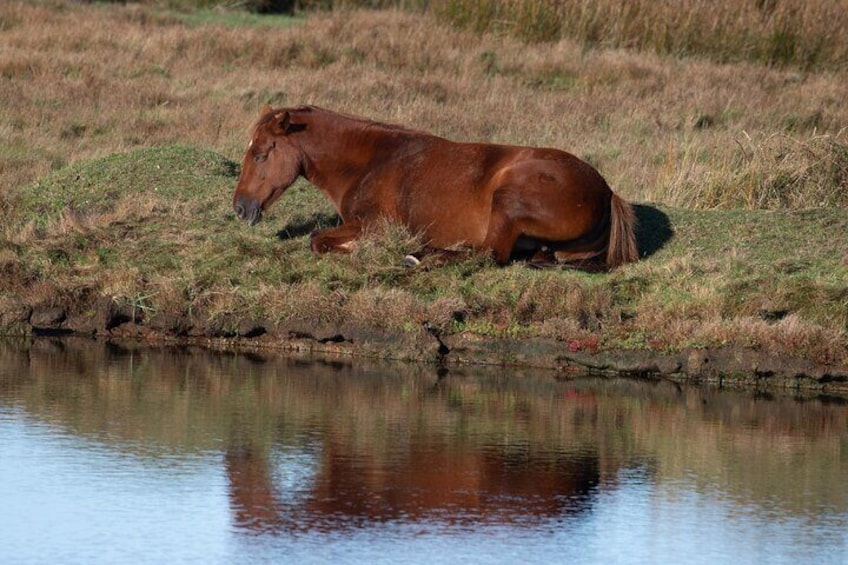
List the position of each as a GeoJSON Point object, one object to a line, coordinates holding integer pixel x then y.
{"type": "Point", "coordinates": [797, 32]}
{"type": "Point", "coordinates": [778, 171]}
{"type": "Point", "coordinates": [805, 34]}
{"type": "Point", "coordinates": [84, 81]}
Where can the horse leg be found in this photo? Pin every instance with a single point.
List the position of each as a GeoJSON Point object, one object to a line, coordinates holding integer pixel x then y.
{"type": "Point", "coordinates": [501, 236]}
{"type": "Point", "coordinates": [340, 239]}
{"type": "Point", "coordinates": [504, 229]}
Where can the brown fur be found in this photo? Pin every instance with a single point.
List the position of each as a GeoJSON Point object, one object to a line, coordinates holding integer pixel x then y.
{"type": "Point", "coordinates": [479, 195]}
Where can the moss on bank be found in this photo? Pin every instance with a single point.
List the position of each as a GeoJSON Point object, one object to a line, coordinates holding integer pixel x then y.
{"type": "Point", "coordinates": [147, 239]}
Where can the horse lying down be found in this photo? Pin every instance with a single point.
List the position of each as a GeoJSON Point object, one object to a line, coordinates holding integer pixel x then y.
{"type": "Point", "coordinates": [510, 201]}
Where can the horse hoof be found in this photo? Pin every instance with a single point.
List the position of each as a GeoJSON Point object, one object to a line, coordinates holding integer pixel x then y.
{"type": "Point", "coordinates": [411, 261]}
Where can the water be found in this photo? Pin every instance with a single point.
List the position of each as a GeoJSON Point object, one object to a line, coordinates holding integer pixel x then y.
{"type": "Point", "coordinates": [131, 455]}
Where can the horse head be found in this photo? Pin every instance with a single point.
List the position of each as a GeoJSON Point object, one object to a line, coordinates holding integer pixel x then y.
{"type": "Point", "coordinates": [271, 164]}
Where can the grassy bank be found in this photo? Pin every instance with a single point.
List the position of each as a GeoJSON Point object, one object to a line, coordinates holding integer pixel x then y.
{"type": "Point", "coordinates": [123, 126]}
{"type": "Point", "coordinates": [149, 229]}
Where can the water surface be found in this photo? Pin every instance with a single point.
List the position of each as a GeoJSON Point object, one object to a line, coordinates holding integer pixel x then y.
{"type": "Point", "coordinates": [134, 455]}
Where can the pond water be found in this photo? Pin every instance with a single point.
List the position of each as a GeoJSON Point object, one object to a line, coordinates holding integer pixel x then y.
{"type": "Point", "coordinates": [160, 455]}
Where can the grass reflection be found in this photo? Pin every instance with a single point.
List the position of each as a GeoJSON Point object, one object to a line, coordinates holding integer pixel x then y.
{"type": "Point", "coordinates": [324, 444]}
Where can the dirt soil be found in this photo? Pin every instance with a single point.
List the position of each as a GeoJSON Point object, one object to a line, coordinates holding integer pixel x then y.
{"type": "Point", "coordinates": [726, 367]}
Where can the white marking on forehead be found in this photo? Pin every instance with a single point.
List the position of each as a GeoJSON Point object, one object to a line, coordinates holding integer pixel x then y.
{"type": "Point", "coordinates": [250, 144]}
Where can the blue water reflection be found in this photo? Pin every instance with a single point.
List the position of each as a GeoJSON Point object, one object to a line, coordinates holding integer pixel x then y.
{"type": "Point", "coordinates": [155, 456]}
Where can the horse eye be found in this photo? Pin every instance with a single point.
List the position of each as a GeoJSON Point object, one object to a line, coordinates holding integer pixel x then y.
{"type": "Point", "coordinates": [260, 158]}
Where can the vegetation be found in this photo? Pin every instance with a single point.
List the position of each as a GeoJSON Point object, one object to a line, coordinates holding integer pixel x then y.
{"type": "Point", "coordinates": [123, 126]}
{"type": "Point", "coordinates": [781, 32]}
{"type": "Point", "coordinates": [805, 34]}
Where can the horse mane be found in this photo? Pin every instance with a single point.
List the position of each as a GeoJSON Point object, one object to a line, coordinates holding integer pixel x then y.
{"type": "Point", "coordinates": [269, 116]}
{"type": "Point", "coordinates": [358, 121]}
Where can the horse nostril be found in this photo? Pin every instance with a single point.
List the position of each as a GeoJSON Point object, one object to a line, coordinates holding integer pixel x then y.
{"type": "Point", "coordinates": [248, 210]}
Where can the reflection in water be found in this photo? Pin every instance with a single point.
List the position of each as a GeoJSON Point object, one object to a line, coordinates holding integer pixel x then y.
{"type": "Point", "coordinates": [337, 449]}
{"type": "Point", "coordinates": [429, 483]}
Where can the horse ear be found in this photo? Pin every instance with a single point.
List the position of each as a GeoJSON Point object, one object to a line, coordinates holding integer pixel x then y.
{"type": "Point", "coordinates": [282, 122]}
{"type": "Point", "coordinates": [266, 109]}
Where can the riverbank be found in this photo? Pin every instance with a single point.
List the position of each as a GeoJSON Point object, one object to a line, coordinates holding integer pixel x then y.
{"type": "Point", "coordinates": [117, 181]}
{"type": "Point", "coordinates": [728, 367]}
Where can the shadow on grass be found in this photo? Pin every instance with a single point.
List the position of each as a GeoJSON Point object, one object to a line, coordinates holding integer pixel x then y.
{"type": "Point", "coordinates": [653, 229]}
{"type": "Point", "coordinates": [305, 226]}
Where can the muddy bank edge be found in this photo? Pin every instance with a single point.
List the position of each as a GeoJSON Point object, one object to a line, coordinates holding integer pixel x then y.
{"type": "Point", "coordinates": [727, 367]}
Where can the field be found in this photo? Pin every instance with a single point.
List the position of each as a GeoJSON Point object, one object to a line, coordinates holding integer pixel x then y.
{"type": "Point", "coordinates": [122, 128]}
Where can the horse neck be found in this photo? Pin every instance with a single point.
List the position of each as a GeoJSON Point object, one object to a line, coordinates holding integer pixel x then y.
{"type": "Point", "coordinates": [338, 151]}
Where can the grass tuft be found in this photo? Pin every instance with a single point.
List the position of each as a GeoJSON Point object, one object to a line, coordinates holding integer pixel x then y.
{"type": "Point", "coordinates": [776, 172]}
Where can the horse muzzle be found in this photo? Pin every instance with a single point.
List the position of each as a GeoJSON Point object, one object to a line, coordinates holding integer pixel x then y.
{"type": "Point", "coordinates": [248, 210]}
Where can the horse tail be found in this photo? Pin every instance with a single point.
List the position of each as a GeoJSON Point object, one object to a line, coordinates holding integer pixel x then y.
{"type": "Point", "coordinates": [622, 246]}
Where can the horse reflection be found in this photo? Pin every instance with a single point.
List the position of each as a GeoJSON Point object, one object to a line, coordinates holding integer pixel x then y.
{"type": "Point", "coordinates": [430, 482]}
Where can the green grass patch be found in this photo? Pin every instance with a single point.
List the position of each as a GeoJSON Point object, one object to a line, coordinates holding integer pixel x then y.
{"type": "Point", "coordinates": [175, 173]}
{"type": "Point", "coordinates": [234, 18]}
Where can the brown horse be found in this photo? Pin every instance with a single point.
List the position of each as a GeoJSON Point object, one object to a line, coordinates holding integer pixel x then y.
{"type": "Point", "coordinates": [489, 197]}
